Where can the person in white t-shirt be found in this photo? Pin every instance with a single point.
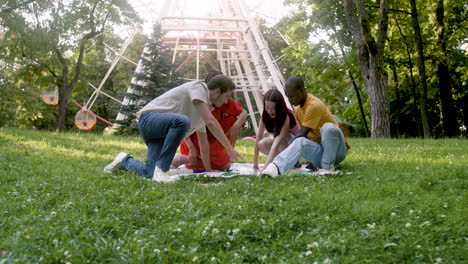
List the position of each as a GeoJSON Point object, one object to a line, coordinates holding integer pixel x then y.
{"type": "Point", "coordinates": [165, 121]}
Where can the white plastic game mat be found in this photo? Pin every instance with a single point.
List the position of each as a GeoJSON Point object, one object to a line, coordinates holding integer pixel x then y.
{"type": "Point", "coordinates": [239, 169]}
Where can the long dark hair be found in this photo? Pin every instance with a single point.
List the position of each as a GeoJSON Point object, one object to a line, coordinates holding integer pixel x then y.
{"type": "Point", "coordinates": [273, 125]}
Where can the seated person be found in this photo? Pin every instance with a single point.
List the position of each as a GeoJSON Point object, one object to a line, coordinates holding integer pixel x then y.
{"type": "Point", "coordinates": [278, 120]}
{"type": "Point", "coordinates": [320, 140]}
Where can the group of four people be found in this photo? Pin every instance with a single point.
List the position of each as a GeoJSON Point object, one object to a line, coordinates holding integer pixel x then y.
{"type": "Point", "coordinates": [181, 116]}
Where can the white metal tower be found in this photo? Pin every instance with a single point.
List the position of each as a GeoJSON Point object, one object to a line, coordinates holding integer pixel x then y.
{"type": "Point", "coordinates": [233, 34]}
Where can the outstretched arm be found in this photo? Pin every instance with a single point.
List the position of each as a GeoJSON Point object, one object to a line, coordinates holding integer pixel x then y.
{"type": "Point", "coordinates": [277, 141]}
{"type": "Point", "coordinates": [193, 152]}
{"type": "Point", "coordinates": [233, 133]}
{"type": "Point", "coordinates": [260, 132]}
{"type": "Point", "coordinates": [204, 150]}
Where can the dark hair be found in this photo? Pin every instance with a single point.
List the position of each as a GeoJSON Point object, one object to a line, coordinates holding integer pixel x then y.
{"type": "Point", "coordinates": [294, 82]}
{"type": "Point", "coordinates": [222, 82]}
{"type": "Point", "coordinates": [273, 125]}
{"type": "Point", "coordinates": [212, 74]}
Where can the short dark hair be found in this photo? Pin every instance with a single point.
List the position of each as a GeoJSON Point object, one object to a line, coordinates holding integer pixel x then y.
{"type": "Point", "coordinates": [222, 82]}
{"type": "Point", "coordinates": [294, 82]}
{"type": "Point", "coordinates": [212, 74]}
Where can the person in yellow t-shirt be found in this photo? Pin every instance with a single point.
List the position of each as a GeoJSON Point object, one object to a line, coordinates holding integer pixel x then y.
{"type": "Point", "coordinates": [320, 141]}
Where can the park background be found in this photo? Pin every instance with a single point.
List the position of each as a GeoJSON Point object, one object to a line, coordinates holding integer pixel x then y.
{"type": "Point", "coordinates": [400, 196]}
{"type": "Point", "coordinates": [418, 49]}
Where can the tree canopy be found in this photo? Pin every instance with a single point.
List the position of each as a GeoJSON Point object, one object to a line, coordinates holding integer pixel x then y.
{"type": "Point", "coordinates": [393, 68]}
{"type": "Point", "coordinates": [46, 42]}
{"type": "Point", "coordinates": [324, 50]}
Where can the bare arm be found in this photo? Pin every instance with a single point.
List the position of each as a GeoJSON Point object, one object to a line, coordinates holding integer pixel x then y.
{"type": "Point", "coordinates": [216, 129]}
{"type": "Point", "coordinates": [304, 131]}
{"type": "Point", "coordinates": [277, 141]}
{"type": "Point", "coordinates": [193, 152]}
{"type": "Point", "coordinates": [260, 132]}
{"type": "Point", "coordinates": [204, 150]}
{"type": "Point", "coordinates": [233, 133]}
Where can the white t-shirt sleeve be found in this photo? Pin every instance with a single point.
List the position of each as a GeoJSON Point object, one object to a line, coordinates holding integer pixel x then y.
{"type": "Point", "coordinates": [198, 92]}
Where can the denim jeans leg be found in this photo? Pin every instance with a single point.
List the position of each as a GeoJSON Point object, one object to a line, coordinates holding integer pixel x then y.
{"type": "Point", "coordinates": [334, 146]}
{"type": "Point", "coordinates": [175, 134]}
{"type": "Point", "coordinates": [162, 133]}
{"type": "Point", "coordinates": [300, 148]}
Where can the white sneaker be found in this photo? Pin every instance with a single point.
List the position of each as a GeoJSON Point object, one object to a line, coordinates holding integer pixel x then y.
{"type": "Point", "coordinates": [161, 176]}
{"type": "Point", "coordinates": [116, 164]}
{"type": "Point", "coordinates": [271, 170]}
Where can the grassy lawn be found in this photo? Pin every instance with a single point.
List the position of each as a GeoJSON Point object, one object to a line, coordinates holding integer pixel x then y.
{"type": "Point", "coordinates": [397, 201]}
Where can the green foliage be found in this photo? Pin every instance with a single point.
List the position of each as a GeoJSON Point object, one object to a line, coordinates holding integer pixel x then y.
{"type": "Point", "coordinates": [396, 201]}
{"type": "Point", "coordinates": [277, 42]}
{"type": "Point", "coordinates": [7, 109]}
{"type": "Point", "coordinates": [154, 79]}
{"type": "Point", "coordinates": [43, 40]}
{"type": "Point", "coordinates": [322, 51]}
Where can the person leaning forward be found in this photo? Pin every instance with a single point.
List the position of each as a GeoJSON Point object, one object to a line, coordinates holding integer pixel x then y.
{"type": "Point", "coordinates": [165, 121]}
{"type": "Point", "coordinates": [320, 141]}
{"type": "Point", "coordinates": [231, 116]}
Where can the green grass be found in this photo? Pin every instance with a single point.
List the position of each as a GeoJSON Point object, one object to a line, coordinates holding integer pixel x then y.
{"type": "Point", "coordinates": [397, 201]}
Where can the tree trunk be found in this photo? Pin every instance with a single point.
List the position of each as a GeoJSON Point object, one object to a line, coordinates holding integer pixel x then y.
{"type": "Point", "coordinates": [361, 108]}
{"type": "Point", "coordinates": [413, 83]}
{"type": "Point", "coordinates": [66, 88]}
{"type": "Point", "coordinates": [397, 98]}
{"type": "Point", "coordinates": [64, 95]}
{"type": "Point", "coordinates": [445, 82]}
{"type": "Point", "coordinates": [422, 71]}
{"type": "Point", "coordinates": [370, 56]}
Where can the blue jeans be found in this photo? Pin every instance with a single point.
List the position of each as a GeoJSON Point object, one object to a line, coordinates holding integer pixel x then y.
{"type": "Point", "coordinates": [330, 151]}
{"type": "Point", "coordinates": [162, 133]}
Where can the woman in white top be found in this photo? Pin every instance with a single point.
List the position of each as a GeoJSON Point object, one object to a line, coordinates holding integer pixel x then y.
{"type": "Point", "coordinates": [168, 119]}
{"type": "Point", "coordinates": [278, 120]}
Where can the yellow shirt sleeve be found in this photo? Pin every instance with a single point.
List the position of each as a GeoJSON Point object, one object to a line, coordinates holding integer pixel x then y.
{"type": "Point", "coordinates": [313, 115]}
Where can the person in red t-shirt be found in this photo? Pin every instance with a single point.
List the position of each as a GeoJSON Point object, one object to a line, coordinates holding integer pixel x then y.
{"type": "Point", "coordinates": [231, 116]}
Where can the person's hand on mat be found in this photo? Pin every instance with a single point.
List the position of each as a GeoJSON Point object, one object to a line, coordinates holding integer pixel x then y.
{"type": "Point", "coordinates": [255, 166]}
{"type": "Point", "coordinates": [193, 158]}
{"type": "Point", "coordinates": [234, 155]}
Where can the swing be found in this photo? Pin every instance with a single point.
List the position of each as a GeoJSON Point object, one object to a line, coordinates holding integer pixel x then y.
{"type": "Point", "coordinates": [50, 97]}
{"type": "Point", "coordinates": [85, 120]}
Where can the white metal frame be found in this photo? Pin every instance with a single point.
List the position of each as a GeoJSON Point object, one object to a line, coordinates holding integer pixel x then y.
{"type": "Point", "coordinates": [241, 51]}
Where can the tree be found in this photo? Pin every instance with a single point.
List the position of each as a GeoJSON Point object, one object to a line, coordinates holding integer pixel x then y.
{"type": "Point", "coordinates": [153, 80]}
{"type": "Point", "coordinates": [277, 42]}
{"type": "Point", "coordinates": [422, 70]}
{"type": "Point", "coordinates": [430, 89]}
{"type": "Point", "coordinates": [370, 55]}
{"type": "Point", "coordinates": [445, 81]}
{"type": "Point", "coordinates": [56, 35]}
{"type": "Point", "coordinates": [319, 46]}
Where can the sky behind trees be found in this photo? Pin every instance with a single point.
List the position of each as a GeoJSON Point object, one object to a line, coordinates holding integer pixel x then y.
{"type": "Point", "coordinates": [149, 10]}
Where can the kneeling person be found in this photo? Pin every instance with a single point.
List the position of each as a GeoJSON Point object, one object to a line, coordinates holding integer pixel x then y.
{"type": "Point", "coordinates": [231, 116]}
{"type": "Point", "coordinates": [168, 119]}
